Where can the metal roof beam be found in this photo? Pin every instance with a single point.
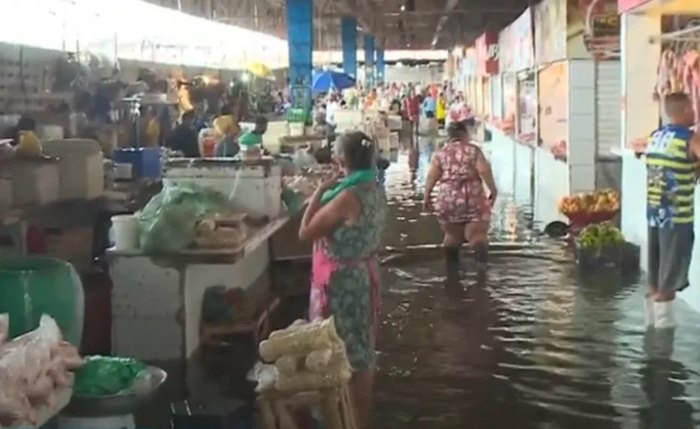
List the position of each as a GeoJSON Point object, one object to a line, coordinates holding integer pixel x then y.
{"type": "Point", "coordinates": [449, 6]}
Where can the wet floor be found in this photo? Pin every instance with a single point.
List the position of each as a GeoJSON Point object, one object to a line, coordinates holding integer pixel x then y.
{"type": "Point", "coordinates": [531, 345]}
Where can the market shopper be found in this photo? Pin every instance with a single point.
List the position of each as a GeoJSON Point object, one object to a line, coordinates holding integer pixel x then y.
{"type": "Point", "coordinates": [184, 138]}
{"type": "Point", "coordinates": [462, 207]}
{"type": "Point", "coordinates": [672, 155]}
{"type": "Point", "coordinates": [345, 220]}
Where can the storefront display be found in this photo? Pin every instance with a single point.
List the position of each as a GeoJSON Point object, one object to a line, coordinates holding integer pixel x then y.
{"type": "Point", "coordinates": [527, 108]}
{"type": "Point", "coordinates": [553, 120]}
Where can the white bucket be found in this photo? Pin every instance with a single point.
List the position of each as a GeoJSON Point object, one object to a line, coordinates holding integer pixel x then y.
{"type": "Point", "coordinates": [125, 229]}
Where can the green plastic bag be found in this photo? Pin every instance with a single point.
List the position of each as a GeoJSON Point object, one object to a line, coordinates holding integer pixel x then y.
{"type": "Point", "coordinates": [106, 375]}
{"type": "Point", "coordinates": [168, 222]}
{"type": "Point", "coordinates": [31, 286]}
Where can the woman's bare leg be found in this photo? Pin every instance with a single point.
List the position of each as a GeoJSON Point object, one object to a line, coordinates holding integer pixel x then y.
{"type": "Point", "coordinates": [476, 233]}
{"type": "Point", "coordinates": [452, 242]}
{"type": "Point", "coordinates": [361, 388]}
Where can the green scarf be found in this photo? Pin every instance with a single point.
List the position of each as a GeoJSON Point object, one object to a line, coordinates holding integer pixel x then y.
{"type": "Point", "coordinates": [354, 179]}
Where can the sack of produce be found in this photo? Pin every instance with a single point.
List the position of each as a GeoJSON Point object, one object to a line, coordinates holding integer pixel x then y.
{"type": "Point", "coordinates": [306, 380]}
{"type": "Point", "coordinates": [328, 360]}
{"type": "Point", "coordinates": [168, 222]}
{"type": "Point", "coordinates": [290, 364]}
{"type": "Point", "coordinates": [106, 376]}
{"type": "Point", "coordinates": [300, 339]}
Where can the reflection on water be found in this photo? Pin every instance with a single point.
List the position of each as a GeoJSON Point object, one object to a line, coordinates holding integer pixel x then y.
{"type": "Point", "coordinates": [532, 345]}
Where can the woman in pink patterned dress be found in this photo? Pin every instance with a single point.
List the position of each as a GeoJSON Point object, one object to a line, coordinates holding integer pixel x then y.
{"type": "Point", "coordinates": [462, 206]}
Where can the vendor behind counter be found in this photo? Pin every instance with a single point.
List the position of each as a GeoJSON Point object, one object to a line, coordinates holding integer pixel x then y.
{"type": "Point", "coordinates": [184, 137]}
{"type": "Point", "coordinates": [230, 145]}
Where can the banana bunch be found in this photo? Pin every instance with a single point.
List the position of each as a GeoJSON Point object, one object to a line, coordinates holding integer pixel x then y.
{"type": "Point", "coordinates": [606, 200]}
{"type": "Point", "coordinates": [600, 236]}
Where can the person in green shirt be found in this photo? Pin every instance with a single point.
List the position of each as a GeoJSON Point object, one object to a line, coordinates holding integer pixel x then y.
{"type": "Point", "coordinates": [254, 137]}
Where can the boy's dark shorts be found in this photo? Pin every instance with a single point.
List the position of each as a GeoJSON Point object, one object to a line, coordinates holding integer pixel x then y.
{"type": "Point", "coordinates": [670, 253]}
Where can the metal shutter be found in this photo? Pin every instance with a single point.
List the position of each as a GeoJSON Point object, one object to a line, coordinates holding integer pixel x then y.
{"type": "Point", "coordinates": [608, 112]}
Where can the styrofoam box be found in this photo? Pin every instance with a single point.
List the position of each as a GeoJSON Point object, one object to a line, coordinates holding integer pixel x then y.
{"type": "Point", "coordinates": [5, 194]}
{"type": "Point", "coordinates": [81, 169]}
{"type": "Point", "coordinates": [34, 183]}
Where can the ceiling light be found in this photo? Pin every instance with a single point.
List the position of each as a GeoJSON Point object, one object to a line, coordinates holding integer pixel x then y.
{"type": "Point", "coordinates": [403, 8]}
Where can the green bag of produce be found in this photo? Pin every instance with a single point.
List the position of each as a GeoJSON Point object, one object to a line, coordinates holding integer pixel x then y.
{"type": "Point", "coordinates": [106, 375]}
{"type": "Point", "coordinates": [168, 222]}
{"type": "Point", "coordinates": [31, 286]}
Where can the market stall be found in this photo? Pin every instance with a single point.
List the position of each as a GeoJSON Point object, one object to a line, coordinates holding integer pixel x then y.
{"type": "Point", "coordinates": [653, 32]}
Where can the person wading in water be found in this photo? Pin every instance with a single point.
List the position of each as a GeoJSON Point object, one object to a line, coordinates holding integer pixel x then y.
{"type": "Point", "coordinates": [462, 207]}
{"type": "Point", "coordinates": [672, 154]}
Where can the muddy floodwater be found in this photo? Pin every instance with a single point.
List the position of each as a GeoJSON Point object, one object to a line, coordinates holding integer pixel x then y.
{"type": "Point", "coordinates": [530, 345]}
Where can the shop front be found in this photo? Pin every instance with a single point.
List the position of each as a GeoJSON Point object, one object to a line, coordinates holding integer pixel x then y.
{"type": "Point", "coordinates": [655, 34]}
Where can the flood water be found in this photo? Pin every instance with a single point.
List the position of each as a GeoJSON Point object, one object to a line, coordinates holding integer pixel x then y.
{"type": "Point", "coordinates": [531, 345]}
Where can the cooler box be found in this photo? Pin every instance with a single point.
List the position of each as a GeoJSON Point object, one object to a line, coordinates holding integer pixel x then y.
{"type": "Point", "coordinates": [145, 162]}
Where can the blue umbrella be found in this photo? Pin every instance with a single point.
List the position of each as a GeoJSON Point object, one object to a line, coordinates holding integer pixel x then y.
{"type": "Point", "coordinates": [325, 80]}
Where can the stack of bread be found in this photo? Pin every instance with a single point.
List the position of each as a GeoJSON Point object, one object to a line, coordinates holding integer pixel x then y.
{"type": "Point", "coordinates": [308, 356]}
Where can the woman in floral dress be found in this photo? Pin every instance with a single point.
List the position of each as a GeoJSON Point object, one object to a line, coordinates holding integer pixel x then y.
{"type": "Point", "coordinates": [345, 219]}
{"type": "Point", "coordinates": [462, 206]}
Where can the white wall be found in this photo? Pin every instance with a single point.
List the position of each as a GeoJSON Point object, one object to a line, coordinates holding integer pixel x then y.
{"type": "Point", "coordinates": [421, 74]}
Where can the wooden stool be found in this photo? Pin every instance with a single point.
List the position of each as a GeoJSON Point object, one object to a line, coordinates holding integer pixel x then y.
{"type": "Point", "coordinates": [335, 404]}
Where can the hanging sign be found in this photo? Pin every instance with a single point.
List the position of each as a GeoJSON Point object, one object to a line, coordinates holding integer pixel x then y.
{"type": "Point", "coordinates": [505, 50]}
{"type": "Point", "coordinates": [602, 30]}
{"type": "Point", "coordinates": [486, 48]}
{"type": "Point", "coordinates": [553, 88]}
{"type": "Point", "coordinates": [550, 31]}
{"type": "Point", "coordinates": [522, 39]}
{"type": "Point", "coordinates": [469, 62]}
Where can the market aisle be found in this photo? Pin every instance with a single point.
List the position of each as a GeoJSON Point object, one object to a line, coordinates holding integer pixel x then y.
{"type": "Point", "coordinates": [531, 346]}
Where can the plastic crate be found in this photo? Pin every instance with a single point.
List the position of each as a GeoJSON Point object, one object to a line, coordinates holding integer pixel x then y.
{"type": "Point", "coordinates": [601, 258]}
{"type": "Point", "coordinates": [145, 162]}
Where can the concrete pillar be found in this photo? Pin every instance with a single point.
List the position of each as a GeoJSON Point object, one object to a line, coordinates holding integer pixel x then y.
{"type": "Point", "coordinates": [348, 32]}
{"type": "Point", "coordinates": [381, 65]}
{"type": "Point", "coordinates": [369, 60]}
{"type": "Point", "coordinates": [640, 116]}
{"type": "Point", "coordinates": [300, 37]}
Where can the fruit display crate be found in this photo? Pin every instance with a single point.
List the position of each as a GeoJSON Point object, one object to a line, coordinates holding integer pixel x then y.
{"type": "Point", "coordinates": [578, 221]}
{"type": "Point", "coordinates": [610, 257]}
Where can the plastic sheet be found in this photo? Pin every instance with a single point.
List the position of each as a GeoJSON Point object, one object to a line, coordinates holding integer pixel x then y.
{"type": "Point", "coordinates": [168, 222]}
{"type": "Point", "coordinates": [34, 368]}
{"type": "Point", "coordinates": [106, 375]}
